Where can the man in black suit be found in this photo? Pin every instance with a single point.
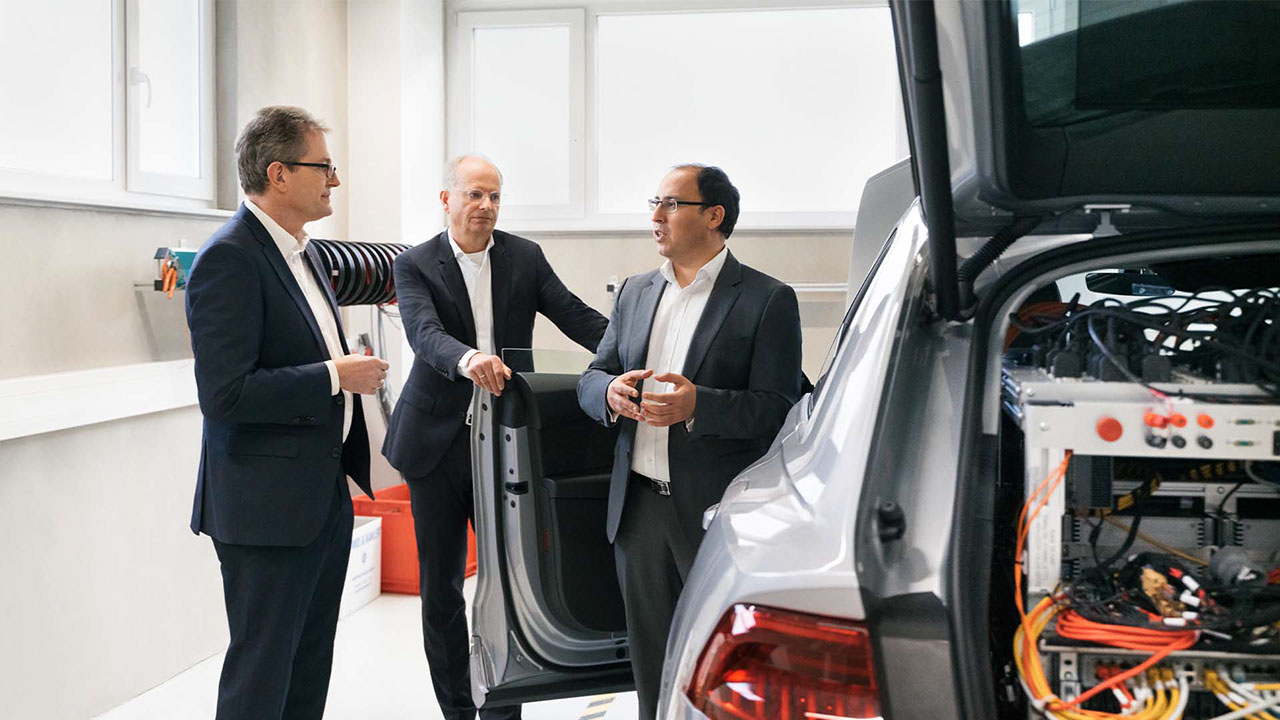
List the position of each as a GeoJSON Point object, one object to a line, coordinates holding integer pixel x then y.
{"type": "Point", "coordinates": [283, 426]}
{"type": "Point", "coordinates": [465, 295]}
{"type": "Point", "coordinates": [700, 364]}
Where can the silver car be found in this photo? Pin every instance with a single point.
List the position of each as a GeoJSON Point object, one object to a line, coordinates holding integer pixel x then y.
{"type": "Point", "coordinates": [1113, 158]}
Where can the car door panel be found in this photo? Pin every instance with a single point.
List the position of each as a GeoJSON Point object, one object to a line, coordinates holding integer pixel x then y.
{"type": "Point", "coordinates": [548, 615]}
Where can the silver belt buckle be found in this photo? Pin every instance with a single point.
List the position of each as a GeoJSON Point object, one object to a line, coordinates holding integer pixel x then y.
{"type": "Point", "coordinates": [661, 486]}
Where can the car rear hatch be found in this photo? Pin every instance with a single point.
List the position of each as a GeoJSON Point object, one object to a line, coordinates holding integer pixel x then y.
{"type": "Point", "coordinates": [1095, 117]}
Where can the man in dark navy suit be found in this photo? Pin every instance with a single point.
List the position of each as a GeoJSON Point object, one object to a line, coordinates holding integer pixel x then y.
{"type": "Point", "coordinates": [283, 426]}
{"type": "Point", "coordinates": [465, 295]}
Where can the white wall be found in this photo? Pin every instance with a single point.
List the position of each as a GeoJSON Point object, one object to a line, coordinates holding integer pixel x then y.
{"type": "Point", "coordinates": [106, 593]}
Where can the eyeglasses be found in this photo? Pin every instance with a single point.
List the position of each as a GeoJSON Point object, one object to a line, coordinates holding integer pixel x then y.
{"type": "Point", "coordinates": [670, 204]}
{"type": "Point", "coordinates": [477, 196]}
{"type": "Point", "coordinates": [329, 169]}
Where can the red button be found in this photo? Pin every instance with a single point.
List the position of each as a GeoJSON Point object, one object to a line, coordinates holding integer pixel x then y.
{"type": "Point", "coordinates": [1205, 421]}
{"type": "Point", "coordinates": [1178, 420]}
{"type": "Point", "coordinates": [1155, 420]}
{"type": "Point", "coordinates": [1110, 429]}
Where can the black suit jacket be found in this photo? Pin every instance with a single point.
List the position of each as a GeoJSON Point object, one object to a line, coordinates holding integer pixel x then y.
{"type": "Point", "coordinates": [272, 450]}
{"type": "Point", "coordinates": [436, 312]}
{"type": "Point", "coordinates": [745, 361]}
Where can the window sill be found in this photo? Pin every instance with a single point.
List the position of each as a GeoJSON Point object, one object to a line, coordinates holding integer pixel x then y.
{"type": "Point", "coordinates": [126, 207]}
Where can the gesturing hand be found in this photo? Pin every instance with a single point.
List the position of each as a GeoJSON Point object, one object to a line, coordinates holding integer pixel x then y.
{"type": "Point", "coordinates": [620, 392]}
{"type": "Point", "coordinates": [663, 409]}
{"type": "Point", "coordinates": [489, 372]}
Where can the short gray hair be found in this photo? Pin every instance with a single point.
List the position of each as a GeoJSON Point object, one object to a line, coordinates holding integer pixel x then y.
{"type": "Point", "coordinates": [451, 168]}
{"type": "Point", "coordinates": [276, 133]}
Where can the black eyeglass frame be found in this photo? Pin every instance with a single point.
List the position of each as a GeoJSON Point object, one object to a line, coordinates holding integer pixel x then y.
{"type": "Point", "coordinates": [654, 202]}
{"type": "Point", "coordinates": [329, 168]}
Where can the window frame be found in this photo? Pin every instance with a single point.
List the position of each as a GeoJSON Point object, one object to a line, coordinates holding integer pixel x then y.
{"type": "Point", "coordinates": [589, 218]}
{"type": "Point", "coordinates": [139, 181]}
{"type": "Point", "coordinates": [33, 188]}
{"type": "Point", "coordinates": [459, 90]}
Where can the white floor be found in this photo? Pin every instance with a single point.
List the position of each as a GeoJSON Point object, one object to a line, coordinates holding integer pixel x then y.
{"type": "Point", "coordinates": [379, 673]}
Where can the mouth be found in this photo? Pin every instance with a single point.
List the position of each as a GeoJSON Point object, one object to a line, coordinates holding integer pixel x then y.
{"type": "Point", "coordinates": [659, 235]}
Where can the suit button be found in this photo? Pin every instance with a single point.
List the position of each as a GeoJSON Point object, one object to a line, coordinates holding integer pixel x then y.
{"type": "Point", "coordinates": [338, 399]}
{"type": "Point", "coordinates": [336, 453]}
{"type": "Point", "coordinates": [298, 420]}
{"type": "Point", "coordinates": [309, 419]}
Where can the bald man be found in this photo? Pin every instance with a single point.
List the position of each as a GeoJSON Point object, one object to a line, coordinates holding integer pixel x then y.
{"type": "Point", "coordinates": [464, 296]}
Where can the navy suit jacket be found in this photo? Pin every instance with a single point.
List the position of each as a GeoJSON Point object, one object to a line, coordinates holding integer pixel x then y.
{"type": "Point", "coordinates": [438, 322]}
{"type": "Point", "coordinates": [272, 454]}
{"type": "Point", "coordinates": [744, 359]}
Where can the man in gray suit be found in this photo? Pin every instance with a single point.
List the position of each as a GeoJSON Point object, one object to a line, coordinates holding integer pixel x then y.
{"type": "Point", "coordinates": [699, 365]}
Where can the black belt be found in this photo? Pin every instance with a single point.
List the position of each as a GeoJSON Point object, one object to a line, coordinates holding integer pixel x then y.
{"type": "Point", "coordinates": [660, 487]}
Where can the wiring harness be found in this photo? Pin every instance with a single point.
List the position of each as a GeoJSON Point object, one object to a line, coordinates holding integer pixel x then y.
{"type": "Point", "coordinates": [1153, 603]}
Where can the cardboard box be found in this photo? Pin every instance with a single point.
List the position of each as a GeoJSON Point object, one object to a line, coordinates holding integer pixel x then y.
{"type": "Point", "coordinates": [364, 568]}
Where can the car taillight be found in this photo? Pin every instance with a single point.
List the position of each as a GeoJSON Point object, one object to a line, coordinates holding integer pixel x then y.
{"type": "Point", "coordinates": [762, 663]}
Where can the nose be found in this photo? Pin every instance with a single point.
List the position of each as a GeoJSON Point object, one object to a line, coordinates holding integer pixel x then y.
{"type": "Point", "coordinates": [659, 214]}
{"type": "Point", "coordinates": [334, 181]}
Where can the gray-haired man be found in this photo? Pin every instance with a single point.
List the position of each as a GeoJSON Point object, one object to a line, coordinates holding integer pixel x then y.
{"type": "Point", "coordinates": [282, 423]}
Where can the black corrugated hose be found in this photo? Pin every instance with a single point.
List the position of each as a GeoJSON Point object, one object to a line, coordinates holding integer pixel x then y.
{"type": "Point", "coordinates": [987, 254]}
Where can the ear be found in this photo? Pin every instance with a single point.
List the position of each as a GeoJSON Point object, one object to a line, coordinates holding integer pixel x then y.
{"type": "Point", "coordinates": [444, 200]}
{"type": "Point", "coordinates": [715, 216]}
{"type": "Point", "coordinates": [276, 175]}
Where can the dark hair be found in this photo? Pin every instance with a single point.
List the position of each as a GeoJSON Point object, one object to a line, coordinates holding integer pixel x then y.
{"type": "Point", "coordinates": [276, 133]}
{"type": "Point", "coordinates": [715, 189]}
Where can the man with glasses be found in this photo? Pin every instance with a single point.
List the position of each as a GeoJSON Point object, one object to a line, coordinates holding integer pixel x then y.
{"type": "Point", "coordinates": [464, 295]}
{"type": "Point", "coordinates": [283, 427]}
{"type": "Point", "coordinates": [700, 365]}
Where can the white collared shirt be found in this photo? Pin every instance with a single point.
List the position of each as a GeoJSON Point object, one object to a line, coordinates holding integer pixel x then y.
{"type": "Point", "coordinates": [292, 249]}
{"type": "Point", "coordinates": [477, 276]}
{"type": "Point", "coordinates": [674, 323]}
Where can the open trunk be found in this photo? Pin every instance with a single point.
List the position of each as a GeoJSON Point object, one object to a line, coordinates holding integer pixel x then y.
{"type": "Point", "coordinates": [1136, 479]}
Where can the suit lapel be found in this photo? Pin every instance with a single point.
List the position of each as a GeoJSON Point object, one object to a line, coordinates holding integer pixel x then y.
{"type": "Point", "coordinates": [457, 287]}
{"type": "Point", "coordinates": [281, 268]}
{"type": "Point", "coordinates": [723, 295]}
{"type": "Point", "coordinates": [646, 309]}
{"type": "Point", "coordinates": [313, 262]}
{"type": "Point", "coordinates": [500, 284]}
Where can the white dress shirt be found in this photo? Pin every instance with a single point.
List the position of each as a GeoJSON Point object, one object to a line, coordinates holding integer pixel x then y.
{"type": "Point", "coordinates": [674, 323]}
{"type": "Point", "coordinates": [292, 249]}
{"type": "Point", "coordinates": [477, 276]}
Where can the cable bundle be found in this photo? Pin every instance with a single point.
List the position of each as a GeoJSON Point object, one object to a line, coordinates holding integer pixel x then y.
{"type": "Point", "coordinates": [360, 273]}
{"type": "Point", "coordinates": [1231, 336]}
{"type": "Point", "coordinates": [1152, 604]}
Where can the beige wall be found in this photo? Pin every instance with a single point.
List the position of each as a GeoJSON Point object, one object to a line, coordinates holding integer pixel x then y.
{"type": "Point", "coordinates": [585, 263]}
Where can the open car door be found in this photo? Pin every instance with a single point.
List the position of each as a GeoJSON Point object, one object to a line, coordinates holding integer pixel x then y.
{"type": "Point", "coordinates": [548, 616]}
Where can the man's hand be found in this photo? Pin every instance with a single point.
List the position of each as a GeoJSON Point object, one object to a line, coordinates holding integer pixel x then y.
{"type": "Point", "coordinates": [619, 393]}
{"type": "Point", "coordinates": [488, 372]}
{"type": "Point", "coordinates": [663, 409]}
{"type": "Point", "coordinates": [362, 374]}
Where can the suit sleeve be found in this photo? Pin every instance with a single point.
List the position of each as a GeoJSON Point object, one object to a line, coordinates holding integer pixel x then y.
{"type": "Point", "coordinates": [225, 316]}
{"type": "Point", "coordinates": [757, 412]}
{"type": "Point", "coordinates": [576, 319]}
{"type": "Point", "coordinates": [607, 365]}
{"type": "Point", "coordinates": [422, 327]}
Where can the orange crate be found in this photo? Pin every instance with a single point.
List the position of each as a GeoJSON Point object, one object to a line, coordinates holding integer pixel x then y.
{"type": "Point", "coordinates": [399, 546]}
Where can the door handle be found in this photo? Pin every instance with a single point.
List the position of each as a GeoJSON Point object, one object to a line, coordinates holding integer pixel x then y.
{"type": "Point", "coordinates": [516, 488]}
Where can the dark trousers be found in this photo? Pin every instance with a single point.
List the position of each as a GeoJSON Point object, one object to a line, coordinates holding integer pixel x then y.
{"type": "Point", "coordinates": [282, 609]}
{"type": "Point", "coordinates": [653, 554]}
{"type": "Point", "coordinates": [442, 505]}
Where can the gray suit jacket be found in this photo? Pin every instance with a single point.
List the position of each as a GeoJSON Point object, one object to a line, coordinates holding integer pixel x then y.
{"type": "Point", "coordinates": [745, 362]}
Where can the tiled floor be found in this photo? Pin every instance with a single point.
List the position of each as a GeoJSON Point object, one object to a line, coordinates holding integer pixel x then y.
{"type": "Point", "coordinates": [379, 673]}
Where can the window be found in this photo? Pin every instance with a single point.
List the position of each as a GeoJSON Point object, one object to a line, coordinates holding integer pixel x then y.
{"type": "Point", "coordinates": [518, 93]}
{"type": "Point", "coordinates": [107, 101]}
{"type": "Point", "coordinates": [799, 106]}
